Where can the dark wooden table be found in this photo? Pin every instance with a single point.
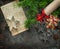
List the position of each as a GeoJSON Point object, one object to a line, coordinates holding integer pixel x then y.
{"type": "Point", "coordinates": [30, 39]}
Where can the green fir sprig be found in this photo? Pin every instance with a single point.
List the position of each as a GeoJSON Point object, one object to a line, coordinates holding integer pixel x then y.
{"type": "Point", "coordinates": [31, 8]}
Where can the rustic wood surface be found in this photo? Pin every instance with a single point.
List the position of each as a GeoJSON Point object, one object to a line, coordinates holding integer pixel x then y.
{"type": "Point", "coordinates": [34, 38]}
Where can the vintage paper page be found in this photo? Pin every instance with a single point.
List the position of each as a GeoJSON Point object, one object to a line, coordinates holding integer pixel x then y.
{"type": "Point", "coordinates": [15, 18]}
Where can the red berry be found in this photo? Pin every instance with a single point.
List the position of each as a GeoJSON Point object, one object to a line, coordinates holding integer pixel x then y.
{"type": "Point", "coordinates": [39, 17]}
{"type": "Point", "coordinates": [47, 17]}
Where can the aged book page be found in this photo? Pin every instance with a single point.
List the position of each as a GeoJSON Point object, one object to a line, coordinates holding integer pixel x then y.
{"type": "Point", "coordinates": [15, 18]}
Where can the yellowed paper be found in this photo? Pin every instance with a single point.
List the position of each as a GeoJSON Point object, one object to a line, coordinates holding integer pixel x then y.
{"type": "Point", "coordinates": [15, 18]}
